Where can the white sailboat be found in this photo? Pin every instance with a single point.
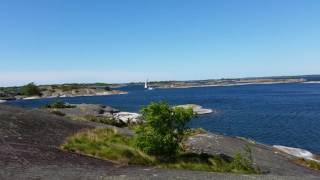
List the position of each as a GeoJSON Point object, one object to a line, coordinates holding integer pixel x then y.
{"type": "Point", "coordinates": [146, 86]}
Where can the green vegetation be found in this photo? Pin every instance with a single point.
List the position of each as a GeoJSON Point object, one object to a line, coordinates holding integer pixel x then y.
{"type": "Point", "coordinates": [157, 142]}
{"type": "Point", "coordinates": [309, 163]}
{"type": "Point", "coordinates": [75, 86]}
{"type": "Point", "coordinates": [59, 105]}
{"type": "Point", "coordinates": [99, 84]}
{"type": "Point", "coordinates": [192, 132]}
{"type": "Point", "coordinates": [106, 144]}
{"type": "Point", "coordinates": [70, 87]}
{"type": "Point", "coordinates": [109, 145]}
{"type": "Point", "coordinates": [30, 90]}
{"type": "Point", "coordinates": [9, 90]}
{"type": "Point", "coordinates": [163, 130]}
{"type": "Point", "coordinates": [205, 162]}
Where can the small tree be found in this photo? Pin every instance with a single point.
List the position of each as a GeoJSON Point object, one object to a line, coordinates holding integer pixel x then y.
{"type": "Point", "coordinates": [30, 90]}
{"type": "Point", "coordinates": [163, 129]}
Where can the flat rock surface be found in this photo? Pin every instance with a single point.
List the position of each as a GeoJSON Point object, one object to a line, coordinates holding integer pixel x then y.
{"type": "Point", "coordinates": [86, 109]}
{"type": "Point", "coordinates": [269, 159]}
{"type": "Point", "coordinates": [29, 149]}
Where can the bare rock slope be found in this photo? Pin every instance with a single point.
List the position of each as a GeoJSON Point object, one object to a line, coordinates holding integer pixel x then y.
{"type": "Point", "coordinates": [267, 158]}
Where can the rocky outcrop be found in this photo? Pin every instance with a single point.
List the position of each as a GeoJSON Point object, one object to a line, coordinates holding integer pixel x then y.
{"type": "Point", "coordinates": [197, 109]}
{"type": "Point", "coordinates": [267, 158]}
{"type": "Point", "coordinates": [80, 111]}
{"type": "Point", "coordinates": [86, 110]}
{"type": "Point", "coordinates": [227, 82]}
{"type": "Point", "coordinates": [297, 152]}
{"type": "Point", "coordinates": [79, 92]}
{"type": "Point", "coordinates": [128, 117]}
{"type": "Point", "coordinates": [50, 92]}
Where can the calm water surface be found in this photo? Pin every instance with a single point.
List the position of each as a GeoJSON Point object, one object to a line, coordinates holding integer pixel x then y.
{"type": "Point", "coordinates": [283, 114]}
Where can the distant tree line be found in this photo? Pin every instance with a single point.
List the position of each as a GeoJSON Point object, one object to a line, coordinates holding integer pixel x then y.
{"type": "Point", "coordinates": [30, 89]}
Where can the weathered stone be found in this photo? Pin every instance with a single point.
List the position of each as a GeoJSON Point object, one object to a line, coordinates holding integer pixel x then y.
{"type": "Point", "coordinates": [87, 109]}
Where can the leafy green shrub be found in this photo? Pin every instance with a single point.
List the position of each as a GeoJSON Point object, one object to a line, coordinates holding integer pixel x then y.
{"type": "Point", "coordinates": [30, 90]}
{"type": "Point", "coordinates": [163, 130]}
{"type": "Point", "coordinates": [59, 105]}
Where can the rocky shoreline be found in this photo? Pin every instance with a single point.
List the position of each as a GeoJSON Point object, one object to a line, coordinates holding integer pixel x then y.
{"type": "Point", "coordinates": [85, 111]}
{"type": "Point", "coordinates": [82, 111]}
{"type": "Point", "coordinates": [74, 94]}
{"type": "Point", "coordinates": [89, 111]}
{"type": "Point", "coordinates": [79, 92]}
{"type": "Point", "coordinates": [222, 83]}
{"type": "Point", "coordinates": [57, 92]}
{"type": "Point", "coordinates": [31, 139]}
{"type": "Point", "coordinates": [298, 152]}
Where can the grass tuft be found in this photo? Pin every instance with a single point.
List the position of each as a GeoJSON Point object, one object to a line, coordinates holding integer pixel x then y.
{"type": "Point", "coordinates": [309, 163]}
{"type": "Point", "coordinates": [106, 144]}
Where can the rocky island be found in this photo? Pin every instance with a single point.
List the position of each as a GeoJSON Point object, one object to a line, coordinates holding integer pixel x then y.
{"type": "Point", "coordinates": [226, 82]}
{"type": "Point", "coordinates": [32, 91]}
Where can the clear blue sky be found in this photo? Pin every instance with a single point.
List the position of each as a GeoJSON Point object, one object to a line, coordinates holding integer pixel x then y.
{"type": "Point", "coordinates": [54, 41]}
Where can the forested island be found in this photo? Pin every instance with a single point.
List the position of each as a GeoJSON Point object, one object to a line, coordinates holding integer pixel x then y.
{"type": "Point", "coordinates": [33, 91]}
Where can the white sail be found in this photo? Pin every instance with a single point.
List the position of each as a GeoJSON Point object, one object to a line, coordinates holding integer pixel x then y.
{"type": "Point", "coordinates": [146, 84]}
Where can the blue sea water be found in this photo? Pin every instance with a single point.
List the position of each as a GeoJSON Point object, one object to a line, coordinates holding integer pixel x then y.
{"type": "Point", "coordinates": [277, 114]}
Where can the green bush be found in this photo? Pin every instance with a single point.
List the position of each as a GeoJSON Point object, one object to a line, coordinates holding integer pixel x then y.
{"type": "Point", "coordinates": [59, 105]}
{"type": "Point", "coordinates": [163, 130]}
{"type": "Point", "coordinates": [30, 90]}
